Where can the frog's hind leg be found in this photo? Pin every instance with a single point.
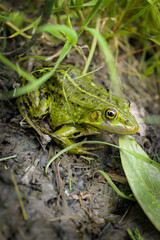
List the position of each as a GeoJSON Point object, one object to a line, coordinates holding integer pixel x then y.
{"type": "Point", "coordinates": [32, 122]}
{"type": "Point", "coordinates": [26, 115]}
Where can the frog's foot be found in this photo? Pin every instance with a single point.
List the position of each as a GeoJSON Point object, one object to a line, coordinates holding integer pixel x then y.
{"type": "Point", "coordinates": [45, 138]}
{"type": "Point", "coordinates": [82, 151]}
{"type": "Point", "coordinates": [64, 136]}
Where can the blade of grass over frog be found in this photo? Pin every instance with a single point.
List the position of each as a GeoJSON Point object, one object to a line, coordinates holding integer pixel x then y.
{"type": "Point", "coordinates": [89, 17]}
{"type": "Point", "coordinates": [63, 89]}
{"type": "Point", "coordinates": [38, 82]}
{"type": "Point", "coordinates": [144, 158]}
{"type": "Point", "coordinates": [85, 74]}
{"type": "Point", "coordinates": [115, 188]}
{"type": "Point", "coordinates": [143, 178]}
{"type": "Point", "coordinates": [115, 84]}
{"type": "Point", "coordinates": [69, 33]}
{"type": "Point", "coordinates": [82, 90]}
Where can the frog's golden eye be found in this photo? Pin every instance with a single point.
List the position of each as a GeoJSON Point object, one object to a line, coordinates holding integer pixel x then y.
{"type": "Point", "coordinates": [110, 113]}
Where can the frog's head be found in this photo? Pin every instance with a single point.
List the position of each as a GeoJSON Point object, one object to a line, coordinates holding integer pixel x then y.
{"type": "Point", "coordinates": [114, 118]}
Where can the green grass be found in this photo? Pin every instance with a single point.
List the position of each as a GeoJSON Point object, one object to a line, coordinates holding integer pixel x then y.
{"type": "Point", "coordinates": [119, 23]}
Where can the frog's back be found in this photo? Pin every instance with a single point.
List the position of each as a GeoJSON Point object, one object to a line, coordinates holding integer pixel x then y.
{"type": "Point", "coordinates": [73, 95]}
{"type": "Point", "coordinates": [79, 89]}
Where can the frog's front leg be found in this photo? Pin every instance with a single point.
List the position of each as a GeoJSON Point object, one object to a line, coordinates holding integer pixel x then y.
{"type": "Point", "coordinates": [66, 133]}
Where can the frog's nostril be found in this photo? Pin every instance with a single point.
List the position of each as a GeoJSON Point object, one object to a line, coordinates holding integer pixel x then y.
{"type": "Point", "coordinates": [127, 122]}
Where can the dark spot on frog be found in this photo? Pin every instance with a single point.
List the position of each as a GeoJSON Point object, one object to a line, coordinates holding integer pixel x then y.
{"type": "Point", "coordinates": [21, 104]}
{"type": "Point", "coordinates": [82, 87]}
{"type": "Point", "coordinates": [108, 90]}
{"type": "Point", "coordinates": [41, 88]}
{"type": "Point", "coordinates": [76, 93]}
{"type": "Point", "coordinates": [24, 111]}
{"type": "Point", "coordinates": [41, 96]}
{"type": "Point", "coordinates": [29, 100]}
{"type": "Point", "coordinates": [60, 95]}
{"type": "Point", "coordinates": [76, 134]}
{"type": "Point", "coordinates": [72, 75]}
{"type": "Point", "coordinates": [47, 110]}
{"type": "Point", "coordinates": [99, 95]}
{"type": "Point", "coordinates": [68, 97]}
{"type": "Point", "coordinates": [27, 107]}
{"type": "Point", "coordinates": [59, 73]}
{"type": "Point", "coordinates": [37, 118]}
{"type": "Point", "coordinates": [83, 99]}
{"type": "Point", "coordinates": [46, 94]}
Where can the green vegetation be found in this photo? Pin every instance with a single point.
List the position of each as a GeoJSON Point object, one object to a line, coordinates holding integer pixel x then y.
{"type": "Point", "coordinates": [132, 28]}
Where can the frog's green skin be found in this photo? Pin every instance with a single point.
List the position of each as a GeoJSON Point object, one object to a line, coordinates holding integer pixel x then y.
{"type": "Point", "coordinates": [74, 106]}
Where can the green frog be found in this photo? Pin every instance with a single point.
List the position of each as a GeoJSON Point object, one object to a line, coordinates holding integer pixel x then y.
{"type": "Point", "coordinates": [74, 106]}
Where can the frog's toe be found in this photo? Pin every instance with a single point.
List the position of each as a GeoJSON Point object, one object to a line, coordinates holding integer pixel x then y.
{"type": "Point", "coordinates": [83, 151]}
{"type": "Point", "coordinates": [94, 148]}
{"type": "Point", "coordinates": [45, 138]}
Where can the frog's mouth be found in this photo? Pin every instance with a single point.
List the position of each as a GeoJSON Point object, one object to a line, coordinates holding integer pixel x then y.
{"type": "Point", "coordinates": [120, 128]}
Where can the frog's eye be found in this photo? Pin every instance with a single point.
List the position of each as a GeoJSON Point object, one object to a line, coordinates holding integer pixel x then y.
{"type": "Point", "coordinates": [110, 113]}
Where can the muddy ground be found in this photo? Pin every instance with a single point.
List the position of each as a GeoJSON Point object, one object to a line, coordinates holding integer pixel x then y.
{"type": "Point", "coordinates": [72, 202]}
